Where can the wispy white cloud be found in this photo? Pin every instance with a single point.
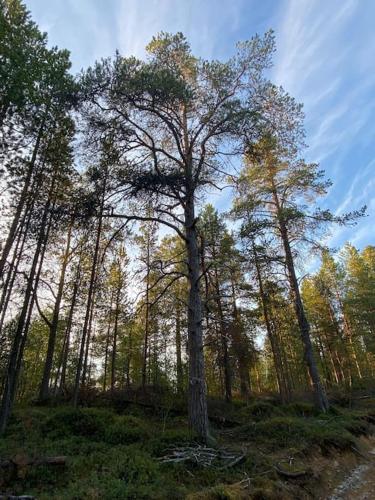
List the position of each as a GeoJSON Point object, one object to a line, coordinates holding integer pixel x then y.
{"type": "Point", "coordinates": [138, 21]}
{"type": "Point", "coordinates": [325, 59]}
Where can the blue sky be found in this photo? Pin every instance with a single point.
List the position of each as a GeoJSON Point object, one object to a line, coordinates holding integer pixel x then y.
{"type": "Point", "coordinates": [325, 58]}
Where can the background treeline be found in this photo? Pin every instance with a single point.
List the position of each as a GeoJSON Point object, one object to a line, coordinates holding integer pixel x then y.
{"type": "Point", "coordinates": [97, 296]}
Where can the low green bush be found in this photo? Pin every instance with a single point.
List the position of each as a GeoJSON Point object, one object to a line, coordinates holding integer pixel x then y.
{"type": "Point", "coordinates": [88, 422]}
{"type": "Point", "coordinates": [259, 410]}
{"type": "Point", "coordinates": [300, 409]}
{"type": "Point", "coordinates": [126, 430]}
{"type": "Point", "coordinates": [172, 437]}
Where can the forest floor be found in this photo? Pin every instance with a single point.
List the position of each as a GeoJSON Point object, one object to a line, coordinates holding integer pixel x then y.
{"type": "Point", "coordinates": [261, 450]}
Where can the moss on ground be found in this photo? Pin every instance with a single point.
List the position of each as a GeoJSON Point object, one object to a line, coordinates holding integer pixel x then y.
{"type": "Point", "coordinates": [111, 455]}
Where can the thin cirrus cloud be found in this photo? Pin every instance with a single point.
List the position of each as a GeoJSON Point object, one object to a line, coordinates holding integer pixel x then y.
{"type": "Point", "coordinates": [326, 54]}
{"type": "Point", "coordinates": [325, 58]}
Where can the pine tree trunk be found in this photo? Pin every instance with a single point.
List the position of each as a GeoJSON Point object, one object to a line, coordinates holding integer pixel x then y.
{"type": "Point", "coordinates": [114, 344]}
{"type": "Point", "coordinates": [44, 387]}
{"type": "Point", "coordinates": [284, 390]}
{"type": "Point", "coordinates": [64, 363]}
{"type": "Point", "coordinates": [320, 396]}
{"type": "Point", "coordinates": [224, 340]}
{"type": "Point", "coordinates": [180, 379]}
{"type": "Point", "coordinates": [147, 319]}
{"type": "Point", "coordinates": [321, 400]}
{"type": "Point", "coordinates": [12, 274]}
{"type": "Point", "coordinates": [20, 335]}
{"type": "Point", "coordinates": [107, 344]}
{"type": "Point", "coordinates": [22, 200]}
{"type": "Point", "coordinates": [90, 295]}
{"type": "Point", "coordinates": [85, 373]}
{"type": "Point", "coordinates": [238, 341]}
{"type": "Point", "coordinates": [198, 417]}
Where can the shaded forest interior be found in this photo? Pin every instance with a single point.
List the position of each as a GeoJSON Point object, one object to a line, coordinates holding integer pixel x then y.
{"type": "Point", "coordinates": [165, 278]}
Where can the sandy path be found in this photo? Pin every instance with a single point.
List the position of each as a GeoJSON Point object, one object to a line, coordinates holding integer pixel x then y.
{"type": "Point", "coordinates": [360, 484]}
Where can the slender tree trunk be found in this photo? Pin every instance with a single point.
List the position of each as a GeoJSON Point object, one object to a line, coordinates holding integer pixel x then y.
{"type": "Point", "coordinates": [240, 350]}
{"type": "Point", "coordinates": [107, 344]}
{"type": "Point", "coordinates": [16, 260]}
{"type": "Point", "coordinates": [320, 396]}
{"type": "Point", "coordinates": [12, 274]}
{"type": "Point", "coordinates": [44, 387]}
{"type": "Point", "coordinates": [337, 355]}
{"type": "Point", "coordinates": [349, 335]}
{"type": "Point", "coordinates": [22, 199]}
{"type": "Point", "coordinates": [147, 318]}
{"type": "Point", "coordinates": [89, 302]}
{"type": "Point", "coordinates": [64, 363]}
{"type": "Point", "coordinates": [114, 344]}
{"type": "Point", "coordinates": [284, 390]}
{"type": "Point", "coordinates": [128, 359]}
{"type": "Point", "coordinates": [20, 335]}
{"type": "Point", "coordinates": [33, 299]}
{"type": "Point", "coordinates": [180, 375]}
{"type": "Point", "coordinates": [88, 342]}
{"type": "Point", "coordinates": [224, 339]}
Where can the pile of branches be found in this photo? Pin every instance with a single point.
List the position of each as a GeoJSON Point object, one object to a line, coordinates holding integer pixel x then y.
{"type": "Point", "coordinates": [202, 456]}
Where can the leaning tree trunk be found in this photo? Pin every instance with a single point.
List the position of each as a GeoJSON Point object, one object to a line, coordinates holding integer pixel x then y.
{"type": "Point", "coordinates": [21, 332]}
{"type": "Point", "coordinates": [22, 200]}
{"type": "Point", "coordinates": [319, 392]}
{"type": "Point", "coordinates": [33, 299]}
{"type": "Point", "coordinates": [320, 396]}
{"type": "Point", "coordinates": [197, 405]}
{"type": "Point", "coordinates": [13, 271]}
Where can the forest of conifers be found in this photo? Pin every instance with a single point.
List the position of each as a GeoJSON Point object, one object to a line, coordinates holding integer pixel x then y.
{"type": "Point", "coordinates": [120, 278]}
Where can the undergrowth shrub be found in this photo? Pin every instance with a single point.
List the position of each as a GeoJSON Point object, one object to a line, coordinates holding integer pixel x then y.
{"type": "Point", "coordinates": [126, 430]}
{"type": "Point", "coordinates": [88, 422]}
{"type": "Point", "coordinates": [172, 437]}
{"type": "Point", "coordinates": [287, 431]}
{"type": "Point", "coordinates": [260, 410]}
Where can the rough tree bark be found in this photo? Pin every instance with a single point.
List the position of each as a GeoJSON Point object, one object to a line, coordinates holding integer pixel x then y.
{"type": "Point", "coordinates": [198, 417]}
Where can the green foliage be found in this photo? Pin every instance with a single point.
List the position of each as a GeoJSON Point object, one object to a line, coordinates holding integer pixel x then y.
{"type": "Point", "coordinates": [116, 456]}
{"type": "Point", "coordinates": [127, 430]}
{"type": "Point", "coordinates": [88, 422]}
{"type": "Point", "coordinates": [284, 431]}
{"type": "Point", "coordinates": [171, 437]}
{"type": "Point", "coordinates": [260, 410]}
